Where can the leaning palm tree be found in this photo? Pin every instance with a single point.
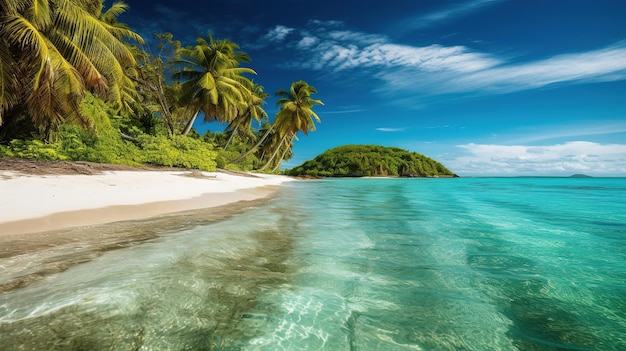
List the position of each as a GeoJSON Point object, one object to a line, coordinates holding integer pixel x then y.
{"type": "Point", "coordinates": [53, 50]}
{"type": "Point", "coordinates": [242, 123]}
{"type": "Point", "coordinates": [275, 150]}
{"type": "Point", "coordinates": [213, 82]}
{"type": "Point", "coordinates": [295, 115]}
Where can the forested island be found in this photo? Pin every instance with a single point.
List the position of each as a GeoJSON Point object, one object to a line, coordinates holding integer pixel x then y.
{"type": "Point", "coordinates": [78, 85]}
{"type": "Point", "coordinates": [371, 161]}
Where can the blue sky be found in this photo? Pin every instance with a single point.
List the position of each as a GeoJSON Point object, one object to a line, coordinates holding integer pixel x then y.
{"type": "Point", "coordinates": [487, 87]}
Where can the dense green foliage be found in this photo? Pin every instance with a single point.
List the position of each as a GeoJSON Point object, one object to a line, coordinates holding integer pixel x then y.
{"type": "Point", "coordinates": [75, 84]}
{"type": "Point", "coordinates": [103, 143]}
{"type": "Point", "coordinates": [177, 151]}
{"type": "Point", "coordinates": [371, 160]}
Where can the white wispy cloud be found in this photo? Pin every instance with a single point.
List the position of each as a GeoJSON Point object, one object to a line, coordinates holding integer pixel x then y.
{"type": "Point", "coordinates": [338, 112]}
{"type": "Point", "coordinates": [433, 58]}
{"type": "Point", "coordinates": [307, 42]}
{"type": "Point", "coordinates": [409, 72]}
{"type": "Point", "coordinates": [604, 64]}
{"type": "Point", "coordinates": [443, 14]}
{"type": "Point", "coordinates": [390, 130]}
{"type": "Point", "coordinates": [342, 51]}
{"type": "Point", "coordinates": [594, 127]}
{"type": "Point", "coordinates": [559, 159]}
{"type": "Point", "coordinates": [348, 36]}
{"type": "Point", "coordinates": [437, 69]}
{"type": "Point", "coordinates": [325, 24]}
{"type": "Point", "coordinates": [453, 11]}
{"type": "Point", "coordinates": [278, 33]}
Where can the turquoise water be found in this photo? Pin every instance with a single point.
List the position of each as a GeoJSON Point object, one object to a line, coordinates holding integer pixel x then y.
{"type": "Point", "coordinates": [356, 264]}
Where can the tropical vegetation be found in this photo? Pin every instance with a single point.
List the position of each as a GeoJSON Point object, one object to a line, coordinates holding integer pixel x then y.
{"type": "Point", "coordinates": [76, 84]}
{"type": "Point", "coordinates": [371, 161]}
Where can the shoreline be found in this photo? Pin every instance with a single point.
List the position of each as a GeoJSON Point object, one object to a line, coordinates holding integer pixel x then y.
{"type": "Point", "coordinates": [29, 258]}
{"type": "Point", "coordinates": [44, 202]}
{"type": "Point", "coordinates": [52, 220]}
{"type": "Point", "coordinates": [118, 213]}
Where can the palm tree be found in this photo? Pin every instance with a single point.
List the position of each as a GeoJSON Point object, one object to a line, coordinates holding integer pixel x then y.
{"type": "Point", "coordinates": [242, 123]}
{"type": "Point", "coordinates": [53, 50]}
{"type": "Point", "coordinates": [213, 82]}
{"type": "Point", "coordinates": [122, 91]}
{"type": "Point", "coordinates": [277, 146]}
{"type": "Point", "coordinates": [267, 133]}
{"type": "Point", "coordinates": [295, 115]}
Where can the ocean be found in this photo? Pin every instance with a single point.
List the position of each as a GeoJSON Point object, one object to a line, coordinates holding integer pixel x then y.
{"type": "Point", "coordinates": [351, 264]}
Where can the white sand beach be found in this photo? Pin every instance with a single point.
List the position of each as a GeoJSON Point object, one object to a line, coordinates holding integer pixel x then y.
{"type": "Point", "coordinates": [35, 203]}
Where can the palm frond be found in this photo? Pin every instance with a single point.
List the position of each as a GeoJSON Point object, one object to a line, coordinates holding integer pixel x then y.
{"type": "Point", "coordinates": [9, 92]}
{"type": "Point", "coordinates": [118, 8]}
{"type": "Point", "coordinates": [85, 29]}
{"type": "Point", "coordinates": [39, 14]}
{"type": "Point", "coordinates": [24, 35]}
{"type": "Point", "coordinates": [92, 77]}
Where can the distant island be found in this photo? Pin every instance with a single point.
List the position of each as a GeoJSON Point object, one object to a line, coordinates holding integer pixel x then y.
{"type": "Point", "coordinates": [580, 176]}
{"type": "Point", "coordinates": [371, 161]}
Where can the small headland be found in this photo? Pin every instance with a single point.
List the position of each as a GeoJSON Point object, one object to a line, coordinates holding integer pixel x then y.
{"type": "Point", "coordinates": [357, 161]}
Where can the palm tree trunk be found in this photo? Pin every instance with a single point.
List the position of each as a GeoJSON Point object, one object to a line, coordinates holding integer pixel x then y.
{"type": "Point", "coordinates": [167, 115]}
{"type": "Point", "coordinates": [238, 159]}
{"type": "Point", "coordinates": [232, 135]}
{"type": "Point", "coordinates": [190, 123]}
{"type": "Point", "coordinates": [273, 154]}
{"type": "Point", "coordinates": [282, 157]}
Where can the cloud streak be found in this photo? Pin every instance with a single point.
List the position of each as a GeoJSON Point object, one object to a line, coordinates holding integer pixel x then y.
{"type": "Point", "coordinates": [598, 127]}
{"type": "Point", "coordinates": [419, 71]}
{"type": "Point", "coordinates": [605, 64]}
{"type": "Point", "coordinates": [560, 159]}
{"type": "Point", "coordinates": [390, 130]}
{"type": "Point", "coordinates": [446, 14]}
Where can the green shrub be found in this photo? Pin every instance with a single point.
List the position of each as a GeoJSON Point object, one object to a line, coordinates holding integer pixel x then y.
{"type": "Point", "coordinates": [224, 156]}
{"type": "Point", "coordinates": [102, 142]}
{"type": "Point", "coordinates": [35, 150]}
{"type": "Point", "coordinates": [5, 151]}
{"type": "Point", "coordinates": [178, 151]}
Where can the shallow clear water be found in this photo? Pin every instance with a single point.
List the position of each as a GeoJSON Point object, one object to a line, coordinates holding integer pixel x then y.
{"type": "Point", "coordinates": [356, 264]}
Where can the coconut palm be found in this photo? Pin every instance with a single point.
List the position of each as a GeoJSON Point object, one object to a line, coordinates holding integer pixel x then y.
{"type": "Point", "coordinates": [275, 146]}
{"type": "Point", "coordinates": [266, 133]}
{"type": "Point", "coordinates": [295, 115]}
{"type": "Point", "coordinates": [242, 123]}
{"type": "Point", "coordinates": [213, 82]}
{"type": "Point", "coordinates": [53, 50]}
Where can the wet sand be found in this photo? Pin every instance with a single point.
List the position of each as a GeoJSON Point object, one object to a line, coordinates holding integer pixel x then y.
{"type": "Point", "coordinates": [35, 203]}
{"type": "Point", "coordinates": [90, 217]}
{"type": "Point", "coordinates": [55, 216]}
{"type": "Point", "coordinates": [27, 258]}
